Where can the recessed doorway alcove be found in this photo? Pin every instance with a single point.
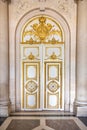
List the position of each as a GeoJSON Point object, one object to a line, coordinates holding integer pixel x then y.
{"type": "Point", "coordinates": [43, 74]}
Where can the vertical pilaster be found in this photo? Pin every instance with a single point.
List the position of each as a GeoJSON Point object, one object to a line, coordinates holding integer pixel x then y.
{"type": "Point", "coordinates": [4, 78]}
{"type": "Point", "coordinates": [81, 61]}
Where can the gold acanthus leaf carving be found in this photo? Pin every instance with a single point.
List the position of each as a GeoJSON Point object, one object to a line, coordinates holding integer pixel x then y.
{"type": "Point", "coordinates": [31, 56]}
{"type": "Point", "coordinates": [42, 30]}
{"type": "Point", "coordinates": [53, 56]}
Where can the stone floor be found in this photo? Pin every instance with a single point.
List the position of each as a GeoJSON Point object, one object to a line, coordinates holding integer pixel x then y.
{"type": "Point", "coordinates": [43, 123]}
{"type": "Point", "coordinates": [2, 119]}
{"type": "Point", "coordinates": [84, 120]}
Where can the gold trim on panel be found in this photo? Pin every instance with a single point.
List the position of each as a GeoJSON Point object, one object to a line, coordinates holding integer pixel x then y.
{"type": "Point", "coordinates": [61, 86]}
{"type": "Point", "coordinates": [37, 67]}
{"type": "Point", "coordinates": [46, 64]}
{"type": "Point", "coordinates": [22, 96]}
{"type": "Point", "coordinates": [54, 63]}
{"type": "Point", "coordinates": [57, 67]}
{"type": "Point", "coordinates": [37, 77]}
{"type": "Point", "coordinates": [36, 47]}
{"type": "Point", "coordinates": [29, 107]}
{"type": "Point", "coordinates": [54, 52]}
{"type": "Point", "coordinates": [48, 105]}
{"type": "Point", "coordinates": [36, 71]}
{"type": "Point", "coordinates": [35, 42]}
{"type": "Point", "coordinates": [44, 85]}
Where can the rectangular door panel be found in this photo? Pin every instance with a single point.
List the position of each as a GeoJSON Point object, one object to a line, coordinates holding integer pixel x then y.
{"type": "Point", "coordinates": [42, 81]}
{"type": "Point", "coordinates": [31, 85]}
{"type": "Point", "coordinates": [53, 85]}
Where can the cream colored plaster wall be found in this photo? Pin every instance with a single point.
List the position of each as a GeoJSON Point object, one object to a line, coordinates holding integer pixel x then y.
{"type": "Point", "coordinates": [18, 9]}
{"type": "Point", "coordinates": [4, 99]}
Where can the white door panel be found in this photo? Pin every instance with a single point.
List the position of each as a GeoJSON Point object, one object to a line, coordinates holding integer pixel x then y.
{"type": "Point", "coordinates": [42, 76]}
{"type": "Point", "coordinates": [42, 64]}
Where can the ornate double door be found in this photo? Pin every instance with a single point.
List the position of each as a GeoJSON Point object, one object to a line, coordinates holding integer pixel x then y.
{"type": "Point", "coordinates": [42, 80]}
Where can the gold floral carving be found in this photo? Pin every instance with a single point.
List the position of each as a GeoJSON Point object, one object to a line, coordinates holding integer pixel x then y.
{"type": "Point", "coordinates": [53, 86]}
{"type": "Point", "coordinates": [53, 56]}
{"type": "Point", "coordinates": [31, 86]}
{"type": "Point", "coordinates": [41, 31]}
{"type": "Point", "coordinates": [31, 56]}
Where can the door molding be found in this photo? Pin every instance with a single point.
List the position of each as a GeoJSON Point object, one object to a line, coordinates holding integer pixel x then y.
{"type": "Point", "coordinates": [58, 17]}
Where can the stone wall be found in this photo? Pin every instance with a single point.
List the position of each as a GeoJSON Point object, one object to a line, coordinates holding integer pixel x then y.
{"type": "Point", "coordinates": [17, 11]}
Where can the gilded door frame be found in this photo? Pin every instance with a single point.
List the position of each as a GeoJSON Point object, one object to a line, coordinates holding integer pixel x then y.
{"type": "Point", "coordinates": [63, 22]}
{"type": "Point", "coordinates": [49, 37]}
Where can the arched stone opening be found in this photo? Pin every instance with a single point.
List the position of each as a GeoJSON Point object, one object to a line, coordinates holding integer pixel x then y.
{"type": "Point", "coordinates": [57, 17]}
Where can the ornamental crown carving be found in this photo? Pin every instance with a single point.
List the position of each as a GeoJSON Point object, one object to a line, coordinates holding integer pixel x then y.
{"type": "Point", "coordinates": [42, 30]}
